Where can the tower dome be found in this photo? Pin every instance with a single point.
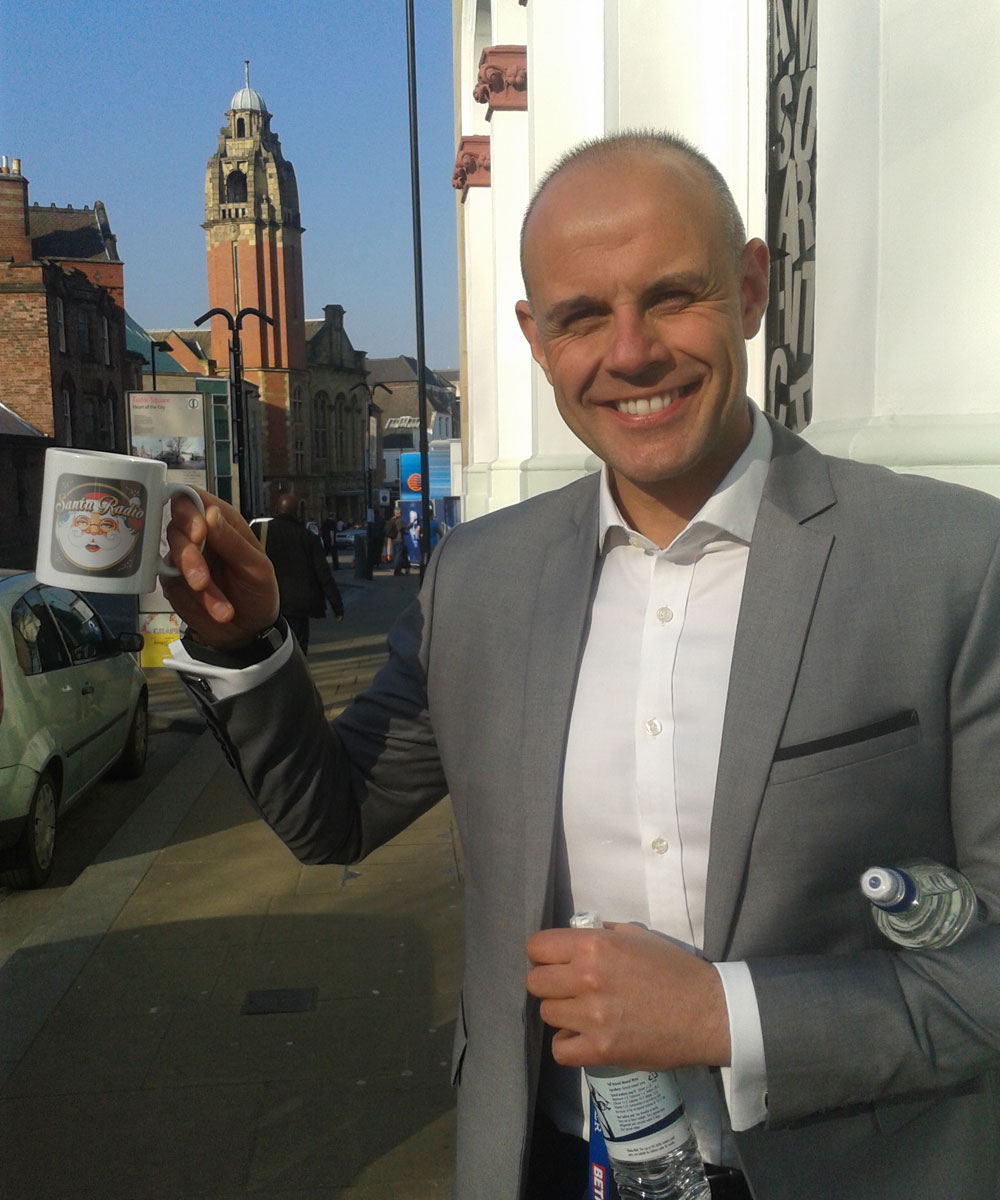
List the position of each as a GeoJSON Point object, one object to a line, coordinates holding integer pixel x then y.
{"type": "Point", "coordinates": [246, 99]}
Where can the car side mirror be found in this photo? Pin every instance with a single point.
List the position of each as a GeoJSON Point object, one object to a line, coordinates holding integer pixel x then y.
{"type": "Point", "coordinates": [129, 643]}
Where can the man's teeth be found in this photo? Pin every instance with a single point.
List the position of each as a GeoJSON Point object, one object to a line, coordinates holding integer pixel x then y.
{"type": "Point", "coordinates": [647, 405]}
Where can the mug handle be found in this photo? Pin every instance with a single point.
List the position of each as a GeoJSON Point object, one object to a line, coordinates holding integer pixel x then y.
{"type": "Point", "coordinates": [178, 489]}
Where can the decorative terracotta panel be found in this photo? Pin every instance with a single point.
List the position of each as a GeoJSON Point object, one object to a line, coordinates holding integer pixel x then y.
{"type": "Point", "coordinates": [503, 78]}
{"type": "Point", "coordinates": [472, 163]}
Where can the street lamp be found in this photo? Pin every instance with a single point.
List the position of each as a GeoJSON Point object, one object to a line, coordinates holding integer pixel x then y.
{"type": "Point", "coordinates": [418, 287]}
{"type": "Point", "coordinates": [165, 347]}
{"type": "Point", "coordinates": [240, 441]}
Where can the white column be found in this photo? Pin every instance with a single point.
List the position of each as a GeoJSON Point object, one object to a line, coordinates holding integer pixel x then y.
{"type": "Point", "coordinates": [567, 64]}
{"type": "Point", "coordinates": [908, 246]}
{"type": "Point", "coordinates": [479, 404]}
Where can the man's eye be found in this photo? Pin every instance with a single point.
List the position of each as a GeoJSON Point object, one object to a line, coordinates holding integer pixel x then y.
{"type": "Point", "coordinates": [672, 302]}
{"type": "Point", "coordinates": [580, 322]}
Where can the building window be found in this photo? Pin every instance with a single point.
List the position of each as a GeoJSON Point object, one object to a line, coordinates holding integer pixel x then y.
{"type": "Point", "coordinates": [61, 323]}
{"type": "Point", "coordinates": [67, 414]}
{"type": "Point", "coordinates": [106, 340]}
{"type": "Point", "coordinates": [241, 127]}
{"type": "Point", "coordinates": [296, 407]}
{"type": "Point", "coordinates": [340, 417]}
{"type": "Point", "coordinates": [320, 407]}
{"type": "Point", "coordinates": [83, 332]}
{"type": "Point", "coordinates": [300, 457]}
{"type": "Point", "coordinates": [107, 421]}
{"type": "Point", "coordinates": [236, 187]}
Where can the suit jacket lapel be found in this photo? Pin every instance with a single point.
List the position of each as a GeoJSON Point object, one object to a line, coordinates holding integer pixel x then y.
{"type": "Point", "coordinates": [784, 572]}
{"type": "Point", "coordinates": [555, 627]}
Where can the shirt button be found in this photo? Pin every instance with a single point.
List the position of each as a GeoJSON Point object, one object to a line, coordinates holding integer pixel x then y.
{"type": "Point", "coordinates": [664, 614]}
{"type": "Point", "coordinates": [654, 727]}
{"type": "Point", "coordinates": [660, 845]}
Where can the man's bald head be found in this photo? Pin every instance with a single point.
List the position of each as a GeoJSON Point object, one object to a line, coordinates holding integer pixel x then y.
{"type": "Point", "coordinates": [286, 505]}
{"type": "Point", "coordinates": [624, 147]}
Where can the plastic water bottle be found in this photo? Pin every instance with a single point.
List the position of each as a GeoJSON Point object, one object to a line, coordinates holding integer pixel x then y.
{"type": "Point", "coordinates": [921, 904]}
{"type": "Point", "coordinates": [650, 1144]}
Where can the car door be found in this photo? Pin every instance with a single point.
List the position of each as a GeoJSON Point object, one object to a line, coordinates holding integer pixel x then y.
{"type": "Point", "coordinates": [54, 708]}
{"type": "Point", "coordinates": [97, 670]}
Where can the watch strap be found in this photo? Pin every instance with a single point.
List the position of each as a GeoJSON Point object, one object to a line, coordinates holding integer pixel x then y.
{"type": "Point", "coordinates": [260, 649]}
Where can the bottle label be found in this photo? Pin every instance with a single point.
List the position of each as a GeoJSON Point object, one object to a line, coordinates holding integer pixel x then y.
{"type": "Point", "coordinates": [640, 1113]}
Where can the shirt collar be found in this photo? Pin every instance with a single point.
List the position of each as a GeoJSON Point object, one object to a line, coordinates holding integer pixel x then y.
{"type": "Point", "coordinates": [730, 510]}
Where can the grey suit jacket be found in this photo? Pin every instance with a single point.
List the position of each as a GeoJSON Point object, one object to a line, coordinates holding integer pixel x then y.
{"type": "Point", "coordinates": [862, 726]}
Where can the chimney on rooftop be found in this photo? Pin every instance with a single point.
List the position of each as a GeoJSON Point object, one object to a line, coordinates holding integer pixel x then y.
{"type": "Point", "coordinates": [15, 241]}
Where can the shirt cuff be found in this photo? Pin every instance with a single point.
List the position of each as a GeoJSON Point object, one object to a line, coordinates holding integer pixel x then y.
{"type": "Point", "coordinates": [744, 1081]}
{"type": "Point", "coordinates": [224, 682]}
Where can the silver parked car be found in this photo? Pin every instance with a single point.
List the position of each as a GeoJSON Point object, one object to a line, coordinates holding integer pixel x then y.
{"type": "Point", "coordinates": [73, 705]}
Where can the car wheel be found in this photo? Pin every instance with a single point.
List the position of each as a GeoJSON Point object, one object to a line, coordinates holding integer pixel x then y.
{"type": "Point", "coordinates": [28, 863]}
{"type": "Point", "coordinates": [132, 760]}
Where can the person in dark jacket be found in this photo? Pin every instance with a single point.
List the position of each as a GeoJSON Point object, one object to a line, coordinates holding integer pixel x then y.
{"type": "Point", "coordinates": [305, 583]}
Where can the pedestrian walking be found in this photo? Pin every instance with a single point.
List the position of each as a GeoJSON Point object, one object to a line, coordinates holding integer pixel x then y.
{"type": "Point", "coordinates": [305, 582]}
{"type": "Point", "coordinates": [396, 531]}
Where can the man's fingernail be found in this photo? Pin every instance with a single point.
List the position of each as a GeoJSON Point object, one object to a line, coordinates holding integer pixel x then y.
{"type": "Point", "coordinates": [221, 610]}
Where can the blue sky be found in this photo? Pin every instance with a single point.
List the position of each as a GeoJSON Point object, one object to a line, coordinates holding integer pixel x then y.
{"type": "Point", "coordinates": [122, 102]}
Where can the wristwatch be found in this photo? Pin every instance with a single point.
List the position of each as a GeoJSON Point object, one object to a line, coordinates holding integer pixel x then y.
{"type": "Point", "coordinates": [261, 648]}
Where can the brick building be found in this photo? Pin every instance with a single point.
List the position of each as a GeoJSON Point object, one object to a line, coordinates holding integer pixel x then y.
{"type": "Point", "coordinates": [64, 370]}
{"type": "Point", "coordinates": [63, 366]}
{"type": "Point", "coordinates": [311, 381]}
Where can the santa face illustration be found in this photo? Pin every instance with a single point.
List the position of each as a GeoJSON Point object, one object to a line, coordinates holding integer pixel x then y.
{"type": "Point", "coordinates": [96, 530]}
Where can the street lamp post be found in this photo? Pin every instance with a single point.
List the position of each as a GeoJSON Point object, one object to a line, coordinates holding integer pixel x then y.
{"type": "Point", "coordinates": [418, 287]}
{"type": "Point", "coordinates": [239, 415]}
{"type": "Point", "coordinates": [165, 347]}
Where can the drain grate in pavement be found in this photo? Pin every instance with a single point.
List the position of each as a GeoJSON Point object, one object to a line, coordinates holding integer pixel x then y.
{"type": "Point", "coordinates": [279, 1000]}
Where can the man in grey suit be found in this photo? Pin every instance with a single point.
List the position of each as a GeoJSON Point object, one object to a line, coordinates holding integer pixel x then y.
{"type": "Point", "coordinates": [700, 691]}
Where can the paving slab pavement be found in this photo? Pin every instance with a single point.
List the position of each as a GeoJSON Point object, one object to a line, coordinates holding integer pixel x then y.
{"type": "Point", "coordinates": [199, 1015]}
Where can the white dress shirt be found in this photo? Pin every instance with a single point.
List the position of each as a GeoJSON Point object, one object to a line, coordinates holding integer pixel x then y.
{"type": "Point", "coordinates": [642, 758]}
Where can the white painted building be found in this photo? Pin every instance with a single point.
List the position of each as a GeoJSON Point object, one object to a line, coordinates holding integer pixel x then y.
{"type": "Point", "coordinates": [882, 131]}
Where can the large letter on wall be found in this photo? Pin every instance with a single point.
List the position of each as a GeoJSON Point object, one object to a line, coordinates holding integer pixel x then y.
{"type": "Point", "coordinates": [791, 209]}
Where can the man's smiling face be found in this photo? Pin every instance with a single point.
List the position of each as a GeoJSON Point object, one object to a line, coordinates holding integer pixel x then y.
{"type": "Point", "coordinates": [638, 314]}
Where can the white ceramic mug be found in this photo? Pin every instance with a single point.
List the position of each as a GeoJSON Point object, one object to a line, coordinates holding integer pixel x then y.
{"type": "Point", "coordinates": [101, 521]}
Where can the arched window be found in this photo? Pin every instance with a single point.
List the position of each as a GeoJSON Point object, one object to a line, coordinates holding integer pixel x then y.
{"type": "Point", "coordinates": [339, 432]}
{"type": "Point", "coordinates": [241, 127]}
{"type": "Point", "coordinates": [236, 187]}
{"type": "Point", "coordinates": [320, 408]}
{"type": "Point", "coordinates": [357, 432]}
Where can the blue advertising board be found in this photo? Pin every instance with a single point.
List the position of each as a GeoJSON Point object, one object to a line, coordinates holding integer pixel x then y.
{"type": "Point", "coordinates": [439, 467]}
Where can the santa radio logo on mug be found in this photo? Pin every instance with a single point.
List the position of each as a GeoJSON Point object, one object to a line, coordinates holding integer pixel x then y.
{"type": "Point", "coordinates": [97, 526]}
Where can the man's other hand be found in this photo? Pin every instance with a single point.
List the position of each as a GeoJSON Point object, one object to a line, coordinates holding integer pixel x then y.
{"type": "Point", "coordinates": [622, 996]}
{"type": "Point", "coordinates": [226, 592]}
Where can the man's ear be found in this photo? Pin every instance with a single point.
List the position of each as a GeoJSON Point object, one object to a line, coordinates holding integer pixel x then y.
{"type": "Point", "coordinates": [754, 277]}
{"type": "Point", "coordinates": [526, 319]}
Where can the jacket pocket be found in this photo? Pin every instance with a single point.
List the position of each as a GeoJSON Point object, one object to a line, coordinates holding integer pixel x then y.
{"type": "Point", "coordinates": [800, 760]}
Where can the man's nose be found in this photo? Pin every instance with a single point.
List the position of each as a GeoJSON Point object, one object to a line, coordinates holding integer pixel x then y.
{"type": "Point", "coordinates": [636, 347]}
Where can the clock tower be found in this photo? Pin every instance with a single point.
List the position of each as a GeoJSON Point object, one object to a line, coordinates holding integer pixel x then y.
{"type": "Point", "coordinates": [253, 250]}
